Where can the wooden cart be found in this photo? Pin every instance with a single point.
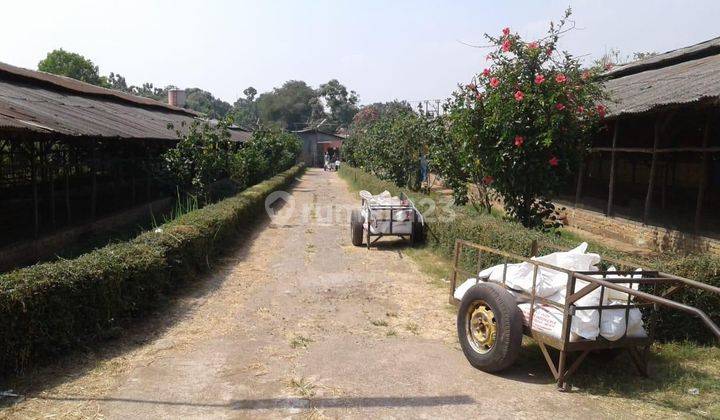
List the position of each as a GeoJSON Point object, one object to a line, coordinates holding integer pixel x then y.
{"type": "Point", "coordinates": [376, 220]}
{"type": "Point", "coordinates": [490, 325]}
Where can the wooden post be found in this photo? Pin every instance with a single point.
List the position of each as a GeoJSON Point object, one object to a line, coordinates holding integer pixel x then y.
{"type": "Point", "coordinates": [67, 192]}
{"type": "Point", "coordinates": [581, 176]}
{"type": "Point", "coordinates": [663, 199]}
{"type": "Point", "coordinates": [147, 167]}
{"type": "Point", "coordinates": [703, 175]}
{"type": "Point", "coordinates": [51, 179]}
{"type": "Point", "coordinates": [93, 192]}
{"type": "Point", "coordinates": [653, 166]}
{"type": "Point", "coordinates": [611, 186]}
{"type": "Point", "coordinates": [33, 174]}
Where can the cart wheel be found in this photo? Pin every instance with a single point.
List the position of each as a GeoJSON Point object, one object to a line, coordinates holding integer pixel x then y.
{"type": "Point", "coordinates": [418, 234]}
{"type": "Point", "coordinates": [489, 327]}
{"type": "Point", "coordinates": [356, 228]}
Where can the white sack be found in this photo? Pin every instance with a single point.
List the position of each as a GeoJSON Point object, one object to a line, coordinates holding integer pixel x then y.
{"type": "Point", "coordinates": [547, 320]}
{"type": "Point", "coordinates": [611, 294]}
{"type": "Point", "coordinates": [612, 325]}
{"type": "Point", "coordinates": [549, 281]}
{"type": "Point", "coordinates": [463, 288]}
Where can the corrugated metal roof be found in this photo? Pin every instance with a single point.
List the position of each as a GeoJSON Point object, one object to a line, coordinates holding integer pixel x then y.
{"type": "Point", "coordinates": [692, 52]}
{"type": "Point", "coordinates": [40, 78]}
{"type": "Point", "coordinates": [316, 131]}
{"type": "Point", "coordinates": [682, 83]}
{"type": "Point", "coordinates": [39, 102]}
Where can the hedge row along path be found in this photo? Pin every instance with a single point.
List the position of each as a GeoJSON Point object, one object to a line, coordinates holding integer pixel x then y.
{"type": "Point", "coordinates": [301, 323]}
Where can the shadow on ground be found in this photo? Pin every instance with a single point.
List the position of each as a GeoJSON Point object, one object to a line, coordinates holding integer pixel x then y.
{"type": "Point", "coordinates": [292, 402]}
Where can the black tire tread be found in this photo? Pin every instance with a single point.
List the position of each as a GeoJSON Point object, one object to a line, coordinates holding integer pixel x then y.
{"type": "Point", "coordinates": [509, 334]}
{"type": "Point", "coordinates": [356, 228]}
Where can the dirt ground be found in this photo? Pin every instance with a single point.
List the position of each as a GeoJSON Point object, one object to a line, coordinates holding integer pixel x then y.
{"type": "Point", "coordinates": [299, 323]}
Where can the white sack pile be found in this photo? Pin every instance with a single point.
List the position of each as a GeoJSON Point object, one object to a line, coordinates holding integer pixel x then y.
{"type": "Point", "coordinates": [552, 285]}
{"type": "Point", "coordinates": [380, 220]}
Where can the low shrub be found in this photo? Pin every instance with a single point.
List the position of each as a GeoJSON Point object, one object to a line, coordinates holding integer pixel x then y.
{"type": "Point", "coordinates": [49, 308]}
{"type": "Point", "coordinates": [493, 231]}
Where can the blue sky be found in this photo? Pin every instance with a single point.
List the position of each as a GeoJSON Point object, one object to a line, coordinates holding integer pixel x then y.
{"type": "Point", "coordinates": [384, 50]}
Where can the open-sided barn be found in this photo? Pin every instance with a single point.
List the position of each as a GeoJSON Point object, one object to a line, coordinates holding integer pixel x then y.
{"type": "Point", "coordinates": [71, 152]}
{"type": "Point", "coordinates": [656, 163]}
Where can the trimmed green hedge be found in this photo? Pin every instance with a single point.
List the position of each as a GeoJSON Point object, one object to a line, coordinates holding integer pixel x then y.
{"type": "Point", "coordinates": [49, 308]}
{"type": "Point", "coordinates": [493, 231]}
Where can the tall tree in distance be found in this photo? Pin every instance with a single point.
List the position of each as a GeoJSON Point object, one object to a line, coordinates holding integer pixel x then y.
{"type": "Point", "coordinates": [341, 104]}
{"type": "Point", "coordinates": [204, 102]}
{"type": "Point", "coordinates": [292, 106]}
{"type": "Point", "coordinates": [72, 65]}
{"type": "Point", "coordinates": [245, 110]}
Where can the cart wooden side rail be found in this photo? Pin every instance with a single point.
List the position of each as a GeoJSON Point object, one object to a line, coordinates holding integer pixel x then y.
{"type": "Point", "coordinates": [637, 347]}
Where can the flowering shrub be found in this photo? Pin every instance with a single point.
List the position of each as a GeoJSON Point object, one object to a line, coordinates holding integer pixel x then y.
{"type": "Point", "coordinates": [536, 109]}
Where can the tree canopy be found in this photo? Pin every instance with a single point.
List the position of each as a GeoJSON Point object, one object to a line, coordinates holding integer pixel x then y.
{"type": "Point", "coordinates": [292, 106]}
{"type": "Point", "coordinates": [65, 63]}
{"type": "Point", "coordinates": [341, 103]}
{"type": "Point", "coordinates": [204, 102]}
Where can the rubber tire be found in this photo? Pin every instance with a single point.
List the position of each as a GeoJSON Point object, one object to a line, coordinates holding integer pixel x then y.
{"type": "Point", "coordinates": [509, 320]}
{"type": "Point", "coordinates": [418, 233]}
{"type": "Point", "coordinates": [356, 228]}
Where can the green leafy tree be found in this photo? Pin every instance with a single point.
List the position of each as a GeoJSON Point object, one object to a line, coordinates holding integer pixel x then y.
{"type": "Point", "coordinates": [65, 63]}
{"type": "Point", "coordinates": [201, 157]}
{"type": "Point", "coordinates": [294, 105]}
{"type": "Point", "coordinates": [390, 146]}
{"type": "Point", "coordinates": [269, 151]}
{"type": "Point", "coordinates": [205, 103]}
{"type": "Point", "coordinates": [538, 108]}
{"type": "Point", "coordinates": [341, 103]}
{"type": "Point", "coordinates": [245, 110]}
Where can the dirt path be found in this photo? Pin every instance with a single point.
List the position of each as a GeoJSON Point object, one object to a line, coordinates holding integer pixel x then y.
{"type": "Point", "coordinates": [301, 323]}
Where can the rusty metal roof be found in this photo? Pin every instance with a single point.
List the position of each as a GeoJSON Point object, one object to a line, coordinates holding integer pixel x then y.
{"type": "Point", "coordinates": [687, 82]}
{"type": "Point", "coordinates": [692, 52]}
{"type": "Point", "coordinates": [37, 102]}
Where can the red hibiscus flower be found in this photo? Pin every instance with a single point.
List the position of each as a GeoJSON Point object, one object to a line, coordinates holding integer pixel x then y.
{"type": "Point", "coordinates": [506, 45]}
{"type": "Point", "coordinates": [559, 106]}
{"type": "Point", "coordinates": [487, 180]}
{"type": "Point", "coordinates": [554, 161]}
{"type": "Point", "coordinates": [539, 78]}
{"type": "Point", "coordinates": [533, 45]}
{"type": "Point", "coordinates": [519, 96]}
{"type": "Point", "coordinates": [560, 78]}
{"type": "Point", "coordinates": [494, 82]}
{"type": "Point", "coordinates": [601, 110]}
{"type": "Point", "coordinates": [519, 140]}
{"type": "Point", "coordinates": [486, 72]}
{"type": "Point", "coordinates": [506, 31]}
